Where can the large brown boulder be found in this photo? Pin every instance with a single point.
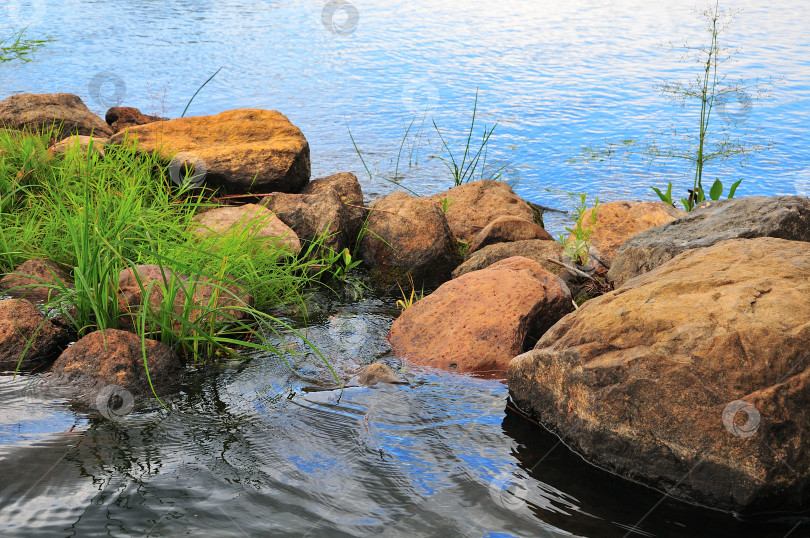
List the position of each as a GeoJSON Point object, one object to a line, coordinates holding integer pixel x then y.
{"type": "Point", "coordinates": [244, 150]}
{"type": "Point", "coordinates": [538, 250]}
{"type": "Point", "coordinates": [505, 229]}
{"type": "Point", "coordinates": [120, 118]}
{"type": "Point", "coordinates": [20, 323]}
{"type": "Point", "coordinates": [691, 378]}
{"type": "Point", "coordinates": [312, 215]}
{"type": "Point", "coordinates": [408, 235]}
{"type": "Point", "coordinates": [44, 110]}
{"type": "Point", "coordinates": [251, 220]}
{"type": "Point", "coordinates": [348, 188]}
{"type": "Point", "coordinates": [616, 222]}
{"type": "Point", "coordinates": [475, 204]}
{"type": "Point", "coordinates": [113, 357]}
{"type": "Point", "coordinates": [786, 217]}
{"type": "Point", "coordinates": [479, 321]}
{"type": "Point", "coordinates": [35, 279]}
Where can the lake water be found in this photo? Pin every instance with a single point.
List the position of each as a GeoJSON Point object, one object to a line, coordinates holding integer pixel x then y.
{"type": "Point", "coordinates": [251, 450]}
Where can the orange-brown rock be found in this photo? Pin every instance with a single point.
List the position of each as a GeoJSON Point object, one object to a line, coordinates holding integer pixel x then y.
{"type": "Point", "coordinates": [479, 321]}
{"type": "Point", "coordinates": [408, 235]}
{"type": "Point", "coordinates": [21, 322]}
{"type": "Point", "coordinates": [692, 378]}
{"type": "Point", "coordinates": [113, 357]}
{"type": "Point", "coordinates": [616, 222]}
{"type": "Point", "coordinates": [378, 372]}
{"type": "Point", "coordinates": [538, 250]}
{"type": "Point", "coordinates": [31, 111]}
{"type": "Point", "coordinates": [505, 229]}
{"type": "Point", "coordinates": [349, 190]}
{"type": "Point", "coordinates": [475, 204]}
{"type": "Point", "coordinates": [36, 279]}
{"type": "Point", "coordinates": [123, 117]}
{"type": "Point", "coordinates": [244, 151]}
{"type": "Point", "coordinates": [249, 220]}
{"type": "Point", "coordinates": [84, 143]}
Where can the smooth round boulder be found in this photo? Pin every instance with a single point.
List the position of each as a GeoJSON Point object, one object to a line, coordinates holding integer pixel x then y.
{"type": "Point", "coordinates": [692, 378]}
{"type": "Point", "coordinates": [20, 323]}
{"type": "Point", "coordinates": [29, 111]}
{"type": "Point", "coordinates": [252, 220]}
{"type": "Point", "coordinates": [481, 320]}
{"type": "Point", "coordinates": [243, 150]}
{"type": "Point", "coordinates": [505, 229]}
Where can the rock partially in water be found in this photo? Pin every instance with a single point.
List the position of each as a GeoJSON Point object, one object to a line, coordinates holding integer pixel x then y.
{"type": "Point", "coordinates": [20, 323]}
{"type": "Point", "coordinates": [244, 150]}
{"type": "Point", "coordinates": [481, 320]}
{"type": "Point", "coordinates": [470, 207]}
{"type": "Point", "coordinates": [785, 217]}
{"type": "Point", "coordinates": [312, 215]}
{"type": "Point", "coordinates": [120, 118]}
{"type": "Point", "coordinates": [693, 378]}
{"type": "Point", "coordinates": [348, 188]}
{"type": "Point", "coordinates": [408, 235]}
{"type": "Point", "coordinates": [616, 222]}
{"type": "Point", "coordinates": [378, 372]}
{"type": "Point", "coordinates": [42, 111]}
{"type": "Point", "coordinates": [538, 250]}
{"type": "Point", "coordinates": [507, 229]}
{"type": "Point", "coordinates": [33, 279]}
{"type": "Point", "coordinates": [252, 219]}
{"type": "Point", "coordinates": [115, 358]}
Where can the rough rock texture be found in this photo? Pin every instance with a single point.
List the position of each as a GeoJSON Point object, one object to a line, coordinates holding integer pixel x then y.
{"type": "Point", "coordinates": [787, 217]}
{"type": "Point", "coordinates": [35, 272]}
{"type": "Point", "coordinates": [244, 151]}
{"type": "Point", "coordinates": [123, 117]}
{"type": "Point", "coordinates": [538, 250]}
{"type": "Point", "coordinates": [38, 111]}
{"type": "Point", "coordinates": [378, 373]}
{"type": "Point", "coordinates": [20, 320]}
{"type": "Point", "coordinates": [505, 229]}
{"type": "Point", "coordinates": [114, 357]}
{"type": "Point", "coordinates": [312, 215]}
{"type": "Point", "coordinates": [252, 219]}
{"type": "Point", "coordinates": [616, 222]}
{"type": "Point", "coordinates": [476, 204]}
{"type": "Point", "coordinates": [83, 142]}
{"type": "Point", "coordinates": [648, 381]}
{"type": "Point", "coordinates": [347, 186]}
{"type": "Point", "coordinates": [408, 235]}
{"type": "Point", "coordinates": [479, 321]}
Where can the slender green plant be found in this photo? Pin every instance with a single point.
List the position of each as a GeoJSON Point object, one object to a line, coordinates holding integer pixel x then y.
{"type": "Point", "coordinates": [18, 46]}
{"type": "Point", "coordinates": [577, 245]}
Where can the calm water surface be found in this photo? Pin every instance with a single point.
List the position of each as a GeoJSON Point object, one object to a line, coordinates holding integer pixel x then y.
{"type": "Point", "coordinates": [250, 449]}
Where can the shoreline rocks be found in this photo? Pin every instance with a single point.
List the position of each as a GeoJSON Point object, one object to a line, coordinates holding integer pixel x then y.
{"type": "Point", "coordinates": [253, 220]}
{"type": "Point", "coordinates": [30, 111]}
{"type": "Point", "coordinates": [21, 322]}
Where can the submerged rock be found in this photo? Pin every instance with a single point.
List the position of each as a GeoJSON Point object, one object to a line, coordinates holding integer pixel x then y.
{"type": "Point", "coordinates": [32, 278]}
{"type": "Point", "coordinates": [408, 235]}
{"type": "Point", "coordinates": [692, 378]}
{"type": "Point", "coordinates": [44, 110]}
{"type": "Point", "coordinates": [538, 250]}
{"type": "Point", "coordinates": [120, 118]}
{"type": "Point", "coordinates": [115, 358]}
{"type": "Point", "coordinates": [243, 151]}
{"type": "Point", "coordinates": [21, 322]}
{"type": "Point", "coordinates": [479, 321]}
{"type": "Point", "coordinates": [253, 220]}
{"type": "Point", "coordinates": [475, 204]}
{"type": "Point", "coordinates": [378, 373]}
{"type": "Point", "coordinates": [786, 217]}
{"type": "Point", "coordinates": [506, 229]}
